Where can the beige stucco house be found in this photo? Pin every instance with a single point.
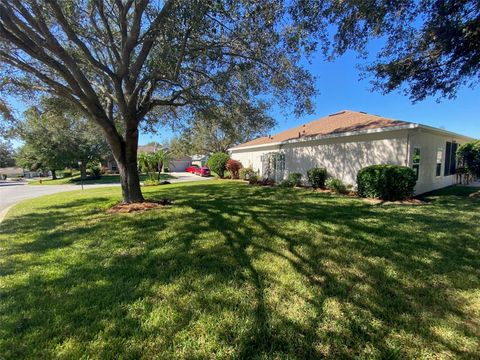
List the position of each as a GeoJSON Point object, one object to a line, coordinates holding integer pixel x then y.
{"type": "Point", "coordinates": [347, 141]}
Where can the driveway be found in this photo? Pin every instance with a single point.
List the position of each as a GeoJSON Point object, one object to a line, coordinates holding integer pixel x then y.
{"type": "Point", "coordinates": [13, 193]}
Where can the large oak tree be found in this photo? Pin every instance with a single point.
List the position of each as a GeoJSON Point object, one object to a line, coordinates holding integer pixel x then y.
{"type": "Point", "coordinates": [55, 136]}
{"type": "Point", "coordinates": [131, 63]}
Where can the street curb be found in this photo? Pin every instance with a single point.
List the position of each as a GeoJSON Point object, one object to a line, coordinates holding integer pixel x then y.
{"type": "Point", "coordinates": [4, 212]}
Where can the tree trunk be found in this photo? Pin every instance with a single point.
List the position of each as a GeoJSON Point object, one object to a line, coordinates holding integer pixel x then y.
{"type": "Point", "coordinates": [124, 151]}
{"type": "Point", "coordinates": [160, 166]}
{"type": "Point", "coordinates": [54, 174]}
{"type": "Point", "coordinates": [83, 171]}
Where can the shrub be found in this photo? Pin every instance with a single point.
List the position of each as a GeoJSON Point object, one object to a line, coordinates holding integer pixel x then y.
{"type": "Point", "coordinates": [295, 179]}
{"type": "Point", "coordinates": [234, 167]}
{"type": "Point", "coordinates": [154, 182]}
{"type": "Point", "coordinates": [96, 172]}
{"type": "Point", "coordinates": [336, 185]}
{"type": "Point", "coordinates": [253, 179]}
{"type": "Point", "coordinates": [468, 155]}
{"type": "Point", "coordinates": [317, 177]}
{"type": "Point", "coordinates": [387, 182]}
{"type": "Point", "coordinates": [66, 174]}
{"type": "Point", "coordinates": [287, 183]}
{"type": "Point", "coordinates": [247, 173]}
{"type": "Point", "coordinates": [218, 162]}
{"type": "Point", "coordinates": [266, 182]}
{"type": "Point", "coordinates": [4, 176]}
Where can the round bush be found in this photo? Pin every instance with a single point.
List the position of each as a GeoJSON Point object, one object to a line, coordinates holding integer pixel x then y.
{"type": "Point", "coordinates": [295, 179]}
{"type": "Point", "coordinates": [218, 162]}
{"type": "Point", "coordinates": [387, 182]}
{"type": "Point", "coordinates": [247, 173]}
{"type": "Point", "coordinates": [336, 185]}
{"type": "Point", "coordinates": [317, 177]}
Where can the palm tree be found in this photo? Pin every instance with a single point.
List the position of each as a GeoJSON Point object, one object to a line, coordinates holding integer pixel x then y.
{"type": "Point", "coordinates": [163, 158]}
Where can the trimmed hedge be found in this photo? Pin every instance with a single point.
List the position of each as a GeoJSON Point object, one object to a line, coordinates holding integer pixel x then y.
{"type": "Point", "coordinates": [387, 182]}
{"type": "Point", "coordinates": [317, 177]}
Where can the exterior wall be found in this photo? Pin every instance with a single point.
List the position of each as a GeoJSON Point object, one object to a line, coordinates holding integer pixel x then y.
{"type": "Point", "coordinates": [341, 156]}
{"type": "Point", "coordinates": [429, 143]}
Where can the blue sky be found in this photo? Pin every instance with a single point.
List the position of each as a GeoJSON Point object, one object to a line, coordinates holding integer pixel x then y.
{"type": "Point", "coordinates": [340, 88]}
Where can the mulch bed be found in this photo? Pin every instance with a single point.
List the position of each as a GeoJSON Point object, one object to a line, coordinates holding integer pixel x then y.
{"type": "Point", "coordinates": [398, 202]}
{"type": "Point", "coordinates": [138, 207]}
{"type": "Point", "coordinates": [475, 195]}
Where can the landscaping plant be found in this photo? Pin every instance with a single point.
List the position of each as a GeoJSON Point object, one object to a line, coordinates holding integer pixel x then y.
{"type": "Point", "coordinates": [336, 185]}
{"type": "Point", "coordinates": [387, 182]}
{"type": "Point", "coordinates": [316, 177]}
{"type": "Point", "coordinates": [218, 162]}
{"type": "Point", "coordinates": [234, 166]}
{"type": "Point", "coordinates": [247, 173]}
{"type": "Point", "coordinates": [468, 156]}
{"type": "Point", "coordinates": [295, 179]}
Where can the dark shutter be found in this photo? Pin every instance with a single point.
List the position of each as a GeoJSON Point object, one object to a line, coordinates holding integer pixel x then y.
{"type": "Point", "coordinates": [453, 160]}
{"type": "Point", "coordinates": [448, 154]}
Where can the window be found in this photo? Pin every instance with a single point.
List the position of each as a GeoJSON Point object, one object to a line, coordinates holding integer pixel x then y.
{"type": "Point", "coordinates": [450, 161]}
{"type": "Point", "coordinates": [438, 169]}
{"type": "Point", "coordinates": [416, 161]}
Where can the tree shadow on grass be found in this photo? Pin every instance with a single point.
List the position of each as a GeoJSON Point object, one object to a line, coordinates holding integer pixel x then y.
{"type": "Point", "coordinates": [245, 272]}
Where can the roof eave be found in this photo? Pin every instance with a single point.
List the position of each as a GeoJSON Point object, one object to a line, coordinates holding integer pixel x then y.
{"type": "Point", "coordinates": [445, 132]}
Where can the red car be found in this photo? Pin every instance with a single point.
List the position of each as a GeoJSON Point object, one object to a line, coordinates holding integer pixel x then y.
{"type": "Point", "coordinates": [203, 171]}
{"type": "Point", "coordinates": [192, 169]}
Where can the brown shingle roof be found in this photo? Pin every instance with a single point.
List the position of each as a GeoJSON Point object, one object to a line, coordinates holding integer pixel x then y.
{"type": "Point", "coordinates": [343, 121]}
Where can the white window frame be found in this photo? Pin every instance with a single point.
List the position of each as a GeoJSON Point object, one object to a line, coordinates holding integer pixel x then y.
{"type": "Point", "coordinates": [417, 172]}
{"type": "Point", "coordinates": [442, 161]}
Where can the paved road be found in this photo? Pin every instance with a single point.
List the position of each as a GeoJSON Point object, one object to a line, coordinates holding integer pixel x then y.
{"type": "Point", "coordinates": [13, 193]}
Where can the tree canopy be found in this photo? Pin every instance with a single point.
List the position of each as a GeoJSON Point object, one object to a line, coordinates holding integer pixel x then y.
{"type": "Point", "coordinates": [430, 47]}
{"type": "Point", "coordinates": [218, 129]}
{"type": "Point", "coordinates": [56, 137]}
{"type": "Point", "coordinates": [7, 154]}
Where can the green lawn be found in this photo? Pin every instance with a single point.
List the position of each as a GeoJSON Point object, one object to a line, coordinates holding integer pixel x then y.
{"type": "Point", "coordinates": [233, 271]}
{"type": "Point", "coordinates": [105, 179]}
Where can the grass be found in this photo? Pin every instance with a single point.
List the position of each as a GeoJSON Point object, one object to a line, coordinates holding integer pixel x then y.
{"type": "Point", "coordinates": [105, 179]}
{"type": "Point", "coordinates": [232, 271]}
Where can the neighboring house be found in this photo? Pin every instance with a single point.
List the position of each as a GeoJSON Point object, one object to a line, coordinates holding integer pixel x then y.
{"type": "Point", "coordinates": [110, 165]}
{"type": "Point", "coordinates": [347, 141]}
{"type": "Point", "coordinates": [15, 172]}
{"type": "Point", "coordinates": [180, 164]}
{"type": "Point", "coordinates": [175, 165]}
{"type": "Point", "coordinates": [200, 160]}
